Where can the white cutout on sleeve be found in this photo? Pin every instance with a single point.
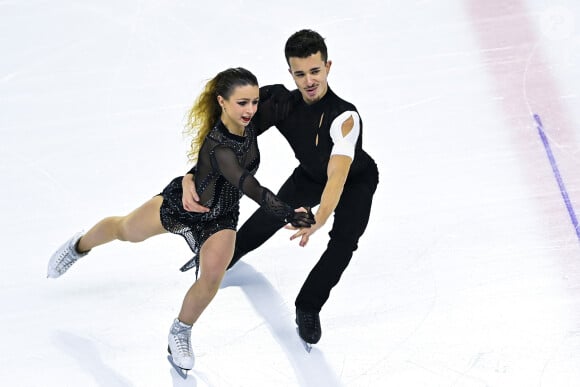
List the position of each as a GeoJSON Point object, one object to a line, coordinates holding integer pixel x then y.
{"type": "Point", "coordinates": [344, 145]}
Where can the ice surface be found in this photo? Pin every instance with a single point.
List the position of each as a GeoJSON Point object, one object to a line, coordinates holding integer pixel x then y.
{"type": "Point", "coordinates": [468, 274]}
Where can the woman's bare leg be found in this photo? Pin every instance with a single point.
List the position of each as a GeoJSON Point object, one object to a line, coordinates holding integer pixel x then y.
{"type": "Point", "coordinates": [142, 223]}
{"type": "Point", "coordinates": [215, 256]}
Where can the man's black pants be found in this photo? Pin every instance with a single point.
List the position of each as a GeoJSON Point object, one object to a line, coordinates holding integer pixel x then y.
{"type": "Point", "coordinates": [351, 217]}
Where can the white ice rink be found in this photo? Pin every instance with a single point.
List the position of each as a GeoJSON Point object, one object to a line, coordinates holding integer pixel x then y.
{"type": "Point", "coordinates": [468, 274]}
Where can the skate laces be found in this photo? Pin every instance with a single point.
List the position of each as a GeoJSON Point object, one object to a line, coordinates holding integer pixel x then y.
{"type": "Point", "coordinates": [66, 259]}
{"type": "Point", "coordinates": [182, 340]}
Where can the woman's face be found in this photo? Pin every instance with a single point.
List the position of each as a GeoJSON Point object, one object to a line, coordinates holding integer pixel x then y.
{"type": "Point", "coordinates": [239, 108]}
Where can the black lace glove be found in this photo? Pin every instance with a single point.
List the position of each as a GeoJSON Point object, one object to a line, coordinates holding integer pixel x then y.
{"type": "Point", "coordinates": [301, 219]}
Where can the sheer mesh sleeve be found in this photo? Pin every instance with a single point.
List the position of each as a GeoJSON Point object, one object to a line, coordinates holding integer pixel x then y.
{"type": "Point", "coordinates": [230, 168]}
{"type": "Point", "coordinates": [274, 107]}
{"type": "Point", "coordinates": [193, 170]}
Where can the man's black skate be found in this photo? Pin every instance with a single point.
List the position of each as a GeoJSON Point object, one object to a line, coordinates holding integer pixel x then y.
{"type": "Point", "coordinates": [308, 326]}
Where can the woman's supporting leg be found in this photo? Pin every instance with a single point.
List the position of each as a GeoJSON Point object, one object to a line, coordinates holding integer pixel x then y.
{"type": "Point", "coordinates": [215, 255]}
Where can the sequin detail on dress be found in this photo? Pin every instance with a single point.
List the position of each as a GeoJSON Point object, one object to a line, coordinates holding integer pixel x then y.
{"type": "Point", "coordinates": [215, 191]}
{"type": "Point", "coordinates": [224, 172]}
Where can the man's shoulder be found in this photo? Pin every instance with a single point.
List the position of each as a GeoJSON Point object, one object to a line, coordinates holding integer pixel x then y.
{"type": "Point", "coordinates": [278, 91]}
{"type": "Point", "coordinates": [338, 104]}
{"type": "Point", "coordinates": [339, 100]}
{"type": "Point", "coordinates": [274, 87]}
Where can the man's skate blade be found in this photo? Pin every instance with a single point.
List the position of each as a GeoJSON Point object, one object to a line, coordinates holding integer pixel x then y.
{"type": "Point", "coordinates": [307, 346]}
{"type": "Point", "coordinates": [180, 371]}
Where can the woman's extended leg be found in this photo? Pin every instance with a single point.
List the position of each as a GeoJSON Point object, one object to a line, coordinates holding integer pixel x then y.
{"type": "Point", "coordinates": [139, 225]}
{"type": "Point", "coordinates": [142, 223]}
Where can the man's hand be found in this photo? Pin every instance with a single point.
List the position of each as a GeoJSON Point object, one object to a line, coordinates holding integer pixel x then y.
{"type": "Point", "coordinates": [303, 233]}
{"type": "Point", "coordinates": [190, 199]}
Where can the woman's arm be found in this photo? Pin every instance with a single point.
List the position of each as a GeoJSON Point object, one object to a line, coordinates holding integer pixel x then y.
{"type": "Point", "coordinates": [229, 167]}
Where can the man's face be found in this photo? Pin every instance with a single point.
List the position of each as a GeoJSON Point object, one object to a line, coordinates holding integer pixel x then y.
{"type": "Point", "coordinates": [310, 75]}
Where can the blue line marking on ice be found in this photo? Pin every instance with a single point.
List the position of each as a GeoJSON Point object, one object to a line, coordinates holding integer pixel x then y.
{"type": "Point", "coordinates": [557, 175]}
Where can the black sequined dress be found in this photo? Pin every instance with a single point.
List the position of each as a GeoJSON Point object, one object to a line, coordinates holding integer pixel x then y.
{"type": "Point", "coordinates": [224, 172]}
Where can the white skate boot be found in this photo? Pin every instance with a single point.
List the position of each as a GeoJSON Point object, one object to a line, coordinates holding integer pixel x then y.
{"type": "Point", "coordinates": [180, 345]}
{"type": "Point", "coordinates": [65, 257]}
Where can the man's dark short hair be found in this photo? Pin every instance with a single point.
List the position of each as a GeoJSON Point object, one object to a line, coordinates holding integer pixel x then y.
{"type": "Point", "coordinates": [304, 43]}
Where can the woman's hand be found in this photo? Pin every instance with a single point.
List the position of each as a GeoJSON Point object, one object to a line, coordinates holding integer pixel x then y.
{"type": "Point", "coordinates": [301, 217]}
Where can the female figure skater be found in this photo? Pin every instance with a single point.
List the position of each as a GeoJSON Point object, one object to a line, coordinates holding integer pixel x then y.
{"type": "Point", "coordinates": [225, 148]}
